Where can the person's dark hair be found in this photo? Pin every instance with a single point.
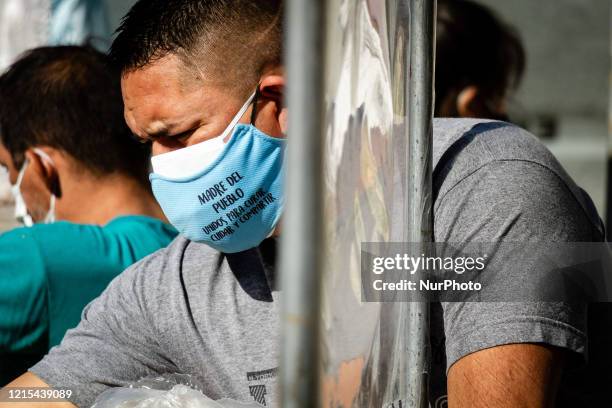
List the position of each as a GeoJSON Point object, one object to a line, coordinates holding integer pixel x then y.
{"type": "Point", "coordinates": [233, 40]}
{"type": "Point", "coordinates": [475, 48]}
{"type": "Point", "coordinates": [69, 98]}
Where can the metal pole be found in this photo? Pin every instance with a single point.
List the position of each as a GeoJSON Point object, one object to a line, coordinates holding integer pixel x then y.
{"type": "Point", "coordinates": [300, 264]}
{"type": "Point", "coordinates": [609, 161]}
{"type": "Point", "coordinates": [420, 223]}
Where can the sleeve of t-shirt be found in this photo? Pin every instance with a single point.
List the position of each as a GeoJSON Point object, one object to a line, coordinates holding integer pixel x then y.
{"type": "Point", "coordinates": [23, 293]}
{"type": "Point", "coordinates": [114, 344]}
{"type": "Point", "coordinates": [513, 201]}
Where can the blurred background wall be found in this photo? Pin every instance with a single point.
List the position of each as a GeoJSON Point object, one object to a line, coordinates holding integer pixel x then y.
{"type": "Point", "coordinates": [117, 9]}
{"type": "Point", "coordinates": [565, 92]}
{"type": "Point", "coordinates": [564, 95]}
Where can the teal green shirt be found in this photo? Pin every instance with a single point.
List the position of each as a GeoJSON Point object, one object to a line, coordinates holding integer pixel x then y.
{"type": "Point", "coordinates": [48, 273]}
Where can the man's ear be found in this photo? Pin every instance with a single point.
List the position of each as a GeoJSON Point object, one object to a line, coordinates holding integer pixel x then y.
{"type": "Point", "coordinates": [466, 102]}
{"type": "Point", "coordinates": [45, 170]}
{"type": "Point", "coordinates": [272, 91]}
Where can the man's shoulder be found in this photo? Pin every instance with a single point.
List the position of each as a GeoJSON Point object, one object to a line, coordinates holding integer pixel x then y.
{"type": "Point", "coordinates": [81, 233]}
{"type": "Point", "coordinates": [73, 247]}
{"type": "Point", "coordinates": [169, 258]}
{"type": "Point", "coordinates": [493, 164]}
{"type": "Point", "coordinates": [138, 223]}
{"type": "Point", "coordinates": [20, 247]}
{"type": "Point", "coordinates": [468, 147]}
{"type": "Point", "coordinates": [170, 265]}
{"type": "Point", "coordinates": [477, 142]}
{"type": "Point", "coordinates": [57, 235]}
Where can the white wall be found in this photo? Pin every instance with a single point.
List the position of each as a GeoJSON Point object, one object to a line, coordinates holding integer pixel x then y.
{"type": "Point", "coordinates": [567, 44]}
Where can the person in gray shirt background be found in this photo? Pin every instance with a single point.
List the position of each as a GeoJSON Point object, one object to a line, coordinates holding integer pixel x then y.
{"type": "Point", "coordinates": [203, 82]}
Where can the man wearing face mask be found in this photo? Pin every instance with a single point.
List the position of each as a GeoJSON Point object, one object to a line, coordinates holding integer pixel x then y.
{"type": "Point", "coordinates": [80, 189]}
{"type": "Point", "coordinates": [203, 82]}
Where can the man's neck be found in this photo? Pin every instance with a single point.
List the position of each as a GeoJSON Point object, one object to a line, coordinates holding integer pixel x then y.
{"type": "Point", "coordinates": [98, 200]}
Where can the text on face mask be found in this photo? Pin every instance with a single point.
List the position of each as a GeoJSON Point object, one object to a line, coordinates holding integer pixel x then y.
{"type": "Point", "coordinates": [220, 197]}
{"type": "Point", "coordinates": [220, 189]}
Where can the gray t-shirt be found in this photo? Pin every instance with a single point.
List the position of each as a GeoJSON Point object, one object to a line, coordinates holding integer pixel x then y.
{"type": "Point", "coordinates": [189, 309]}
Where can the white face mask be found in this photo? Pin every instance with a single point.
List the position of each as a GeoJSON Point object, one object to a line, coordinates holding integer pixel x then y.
{"type": "Point", "coordinates": [21, 210]}
{"type": "Point", "coordinates": [196, 157]}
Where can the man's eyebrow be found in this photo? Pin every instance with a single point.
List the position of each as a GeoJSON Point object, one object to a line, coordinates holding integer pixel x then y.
{"type": "Point", "coordinates": [156, 129]}
{"type": "Point", "coordinates": [167, 134]}
{"type": "Point", "coordinates": [169, 130]}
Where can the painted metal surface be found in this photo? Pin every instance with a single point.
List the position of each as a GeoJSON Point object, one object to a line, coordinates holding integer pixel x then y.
{"type": "Point", "coordinates": [419, 200]}
{"type": "Point", "coordinates": [353, 102]}
{"type": "Point", "coordinates": [609, 160]}
{"type": "Point", "coordinates": [302, 223]}
{"type": "Point", "coordinates": [366, 349]}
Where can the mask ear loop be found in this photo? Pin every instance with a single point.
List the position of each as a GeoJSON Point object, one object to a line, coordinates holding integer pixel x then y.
{"type": "Point", "coordinates": [41, 153]}
{"type": "Point", "coordinates": [22, 171]}
{"type": "Point", "coordinates": [225, 136]}
{"type": "Point", "coordinates": [50, 217]}
{"type": "Point", "coordinates": [254, 111]}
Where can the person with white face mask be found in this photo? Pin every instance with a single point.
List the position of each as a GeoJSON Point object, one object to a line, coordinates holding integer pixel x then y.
{"type": "Point", "coordinates": [80, 190]}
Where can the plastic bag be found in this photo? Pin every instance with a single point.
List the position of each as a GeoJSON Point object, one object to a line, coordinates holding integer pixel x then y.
{"type": "Point", "coordinates": [171, 391]}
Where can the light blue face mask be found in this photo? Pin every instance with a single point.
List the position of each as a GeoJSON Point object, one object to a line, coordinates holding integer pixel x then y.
{"type": "Point", "coordinates": [234, 200]}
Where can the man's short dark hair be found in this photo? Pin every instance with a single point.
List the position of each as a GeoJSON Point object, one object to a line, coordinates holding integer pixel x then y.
{"type": "Point", "coordinates": [233, 40]}
{"type": "Point", "coordinates": [474, 47]}
{"type": "Point", "coordinates": [69, 98]}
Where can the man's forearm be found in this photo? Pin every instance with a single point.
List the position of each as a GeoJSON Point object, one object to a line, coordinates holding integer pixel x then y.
{"type": "Point", "coordinates": [515, 375]}
{"type": "Point", "coordinates": [30, 380]}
